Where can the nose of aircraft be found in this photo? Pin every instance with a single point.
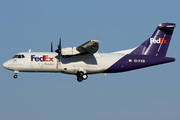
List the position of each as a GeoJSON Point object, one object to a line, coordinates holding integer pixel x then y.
{"type": "Point", "coordinates": [5, 65]}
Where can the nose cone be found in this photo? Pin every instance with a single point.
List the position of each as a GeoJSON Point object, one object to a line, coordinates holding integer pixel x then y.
{"type": "Point", "coordinates": [5, 65]}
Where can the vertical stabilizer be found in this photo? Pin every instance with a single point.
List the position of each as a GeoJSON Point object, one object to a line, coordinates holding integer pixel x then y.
{"type": "Point", "coordinates": [157, 44]}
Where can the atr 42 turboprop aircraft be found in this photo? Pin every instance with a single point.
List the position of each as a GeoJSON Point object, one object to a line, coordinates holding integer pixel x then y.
{"type": "Point", "coordinates": [84, 60]}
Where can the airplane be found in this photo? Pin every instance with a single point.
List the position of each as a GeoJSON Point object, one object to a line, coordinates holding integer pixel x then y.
{"type": "Point", "coordinates": [84, 59]}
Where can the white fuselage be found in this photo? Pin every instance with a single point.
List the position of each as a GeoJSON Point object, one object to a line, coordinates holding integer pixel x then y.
{"type": "Point", "coordinates": [49, 62]}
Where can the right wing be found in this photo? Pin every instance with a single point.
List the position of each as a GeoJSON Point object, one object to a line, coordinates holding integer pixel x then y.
{"type": "Point", "coordinates": [90, 47]}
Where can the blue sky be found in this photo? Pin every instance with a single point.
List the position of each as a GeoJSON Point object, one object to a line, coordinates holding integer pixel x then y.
{"type": "Point", "coordinates": [148, 93]}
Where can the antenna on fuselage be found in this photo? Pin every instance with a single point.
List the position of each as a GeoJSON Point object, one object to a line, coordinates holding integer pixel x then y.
{"type": "Point", "coordinates": [29, 50]}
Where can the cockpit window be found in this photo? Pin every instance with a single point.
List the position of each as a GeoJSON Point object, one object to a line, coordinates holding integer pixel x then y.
{"type": "Point", "coordinates": [16, 56]}
{"type": "Point", "coordinates": [19, 56]}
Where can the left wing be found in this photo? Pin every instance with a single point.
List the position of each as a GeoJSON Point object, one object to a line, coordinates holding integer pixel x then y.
{"type": "Point", "coordinates": [90, 47]}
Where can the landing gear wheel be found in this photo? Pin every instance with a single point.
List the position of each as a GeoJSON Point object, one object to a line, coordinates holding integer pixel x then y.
{"type": "Point", "coordinates": [80, 73]}
{"type": "Point", "coordinates": [85, 76]}
{"type": "Point", "coordinates": [81, 76]}
{"type": "Point", "coordinates": [80, 79]}
{"type": "Point", "coordinates": [15, 76]}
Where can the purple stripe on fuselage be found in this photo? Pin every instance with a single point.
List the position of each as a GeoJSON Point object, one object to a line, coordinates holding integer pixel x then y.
{"type": "Point", "coordinates": [131, 62]}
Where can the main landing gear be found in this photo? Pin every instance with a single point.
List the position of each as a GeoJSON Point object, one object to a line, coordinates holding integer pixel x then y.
{"type": "Point", "coordinates": [81, 76]}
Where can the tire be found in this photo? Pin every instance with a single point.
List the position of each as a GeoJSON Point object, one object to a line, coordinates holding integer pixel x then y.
{"type": "Point", "coordinates": [81, 76]}
{"type": "Point", "coordinates": [15, 76]}
{"type": "Point", "coordinates": [85, 76]}
{"type": "Point", "coordinates": [80, 79]}
{"type": "Point", "coordinates": [80, 73]}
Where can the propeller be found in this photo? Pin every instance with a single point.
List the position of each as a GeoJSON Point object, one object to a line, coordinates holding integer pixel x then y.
{"type": "Point", "coordinates": [51, 47]}
{"type": "Point", "coordinates": [59, 49]}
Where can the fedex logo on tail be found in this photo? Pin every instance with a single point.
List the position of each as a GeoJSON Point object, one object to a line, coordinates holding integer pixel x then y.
{"type": "Point", "coordinates": [44, 58]}
{"type": "Point", "coordinates": [158, 41]}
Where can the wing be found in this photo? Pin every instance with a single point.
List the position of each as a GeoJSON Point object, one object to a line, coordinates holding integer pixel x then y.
{"type": "Point", "coordinates": [90, 47]}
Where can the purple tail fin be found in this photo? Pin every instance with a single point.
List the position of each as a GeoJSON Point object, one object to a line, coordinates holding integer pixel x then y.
{"type": "Point", "coordinates": [157, 44]}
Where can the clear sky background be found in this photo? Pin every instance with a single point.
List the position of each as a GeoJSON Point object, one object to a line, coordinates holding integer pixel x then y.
{"type": "Point", "coordinates": [146, 94]}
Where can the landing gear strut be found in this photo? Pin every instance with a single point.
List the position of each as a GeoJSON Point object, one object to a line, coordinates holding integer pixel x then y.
{"type": "Point", "coordinates": [81, 76]}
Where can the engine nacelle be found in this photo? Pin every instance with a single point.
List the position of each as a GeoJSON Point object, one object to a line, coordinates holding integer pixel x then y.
{"type": "Point", "coordinates": [69, 51]}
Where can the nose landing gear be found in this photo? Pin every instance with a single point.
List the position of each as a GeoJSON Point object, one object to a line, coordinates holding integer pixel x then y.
{"type": "Point", "coordinates": [15, 76]}
{"type": "Point", "coordinates": [81, 76]}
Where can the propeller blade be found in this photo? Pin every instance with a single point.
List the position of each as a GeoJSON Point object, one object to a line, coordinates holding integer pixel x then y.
{"type": "Point", "coordinates": [59, 46]}
{"type": "Point", "coordinates": [59, 49]}
{"type": "Point", "coordinates": [51, 47]}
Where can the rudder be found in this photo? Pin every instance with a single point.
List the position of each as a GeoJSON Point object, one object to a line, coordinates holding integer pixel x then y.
{"type": "Point", "coordinates": [158, 43]}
